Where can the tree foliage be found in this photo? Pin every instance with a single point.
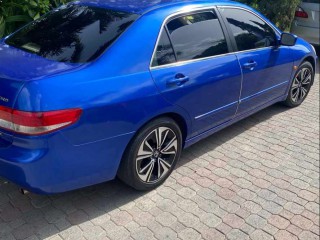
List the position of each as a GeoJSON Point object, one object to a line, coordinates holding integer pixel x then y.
{"type": "Point", "coordinates": [280, 12]}
{"type": "Point", "coordinates": [16, 13]}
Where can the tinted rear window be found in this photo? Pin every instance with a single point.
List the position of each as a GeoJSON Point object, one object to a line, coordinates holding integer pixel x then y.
{"type": "Point", "coordinates": [164, 52]}
{"type": "Point", "coordinates": [197, 36]}
{"type": "Point", "coordinates": [72, 33]}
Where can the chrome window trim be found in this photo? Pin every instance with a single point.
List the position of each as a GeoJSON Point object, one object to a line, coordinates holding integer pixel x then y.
{"type": "Point", "coordinates": [177, 64]}
{"type": "Point", "coordinates": [189, 11]}
{"type": "Point", "coordinates": [171, 16]}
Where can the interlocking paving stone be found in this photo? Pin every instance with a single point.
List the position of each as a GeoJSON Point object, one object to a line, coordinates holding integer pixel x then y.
{"type": "Point", "coordinates": [166, 219]}
{"type": "Point", "coordinates": [315, 229]}
{"type": "Point", "coordinates": [246, 228]}
{"type": "Point", "coordinates": [189, 220]}
{"type": "Point", "coordinates": [72, 233]}
{"type": "Point", "coordinates": [166, 234]}
{"type": "Point", "coordinates": [313, 207]}
{"type": "Point", "coordinates": [252, 206]}
{"type": "Point", "coordinates": [233, 221]}
{"type": "Point", "coordinates": [294, 229]}
{"type": "Point", "coordinates": [236, 234]}
{"type": "Point", "coordinates": [278, 221]}
{"type": "Point", "coordinates": [272, 230]}
{"type": "Point", "coordinates": [258, 179]}
{"type": "Point", "coordinates": [212, 233]}
{"type": "Point", "coordinates": [210, 220]}
{"type": "Point", "coordinates": [283, 234]}
{"type": "Point", "coordinates": [260, 235]}
{"type": "Point", "coordinates": [294, 208]}
{"type": "Point", "coordinates": [301, 222]}
{"type": "Point", "coordinates": [305, 235]}
{"type": "Point", "coordinates": [256, 221]}
{"type": "Point", "coordinates": [190, 234]}
{"type": "Point", "coordinates": [142, 233]}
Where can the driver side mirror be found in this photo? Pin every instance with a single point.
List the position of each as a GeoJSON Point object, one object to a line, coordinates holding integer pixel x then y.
{"type": "Point", "coordinates": [288, 39]}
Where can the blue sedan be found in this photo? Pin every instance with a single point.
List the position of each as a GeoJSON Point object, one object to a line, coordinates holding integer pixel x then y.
{"type": "Point", "coordinates": [100, 88]}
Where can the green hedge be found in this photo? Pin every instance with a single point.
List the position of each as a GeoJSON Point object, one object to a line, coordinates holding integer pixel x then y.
{"type": "Point", "coordinates": [16, 13]}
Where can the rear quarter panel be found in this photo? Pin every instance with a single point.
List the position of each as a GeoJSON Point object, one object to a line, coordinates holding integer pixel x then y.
{"type": "Point", "coordinates": [116, 92]}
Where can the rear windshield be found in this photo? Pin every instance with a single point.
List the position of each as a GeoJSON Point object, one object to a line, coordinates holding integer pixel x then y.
{"type": "Point", "coordinates": [72, 33]}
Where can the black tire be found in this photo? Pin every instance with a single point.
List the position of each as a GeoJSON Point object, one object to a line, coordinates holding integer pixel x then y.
{"type": "Point", "coordinates": [133, 162]}
{"type": "Point", "coordinates": [299, 91]}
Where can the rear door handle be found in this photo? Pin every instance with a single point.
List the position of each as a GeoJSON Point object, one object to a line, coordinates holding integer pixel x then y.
{"type": "Point", "coordinates": [250, 65]}
{"type": "Point", "coordinates": [179, 80]}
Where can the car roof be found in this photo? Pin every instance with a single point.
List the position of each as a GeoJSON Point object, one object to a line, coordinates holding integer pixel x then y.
{"type": "Point", "coordinates": [143, 6]}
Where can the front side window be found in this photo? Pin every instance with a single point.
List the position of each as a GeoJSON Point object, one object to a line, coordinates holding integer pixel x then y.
{"type": "Point", "coordinates": [250, 32]}
{"type": "Point", "coordinates": [72, 33]}
{"type": "Point", "coordinates": [197, 36]}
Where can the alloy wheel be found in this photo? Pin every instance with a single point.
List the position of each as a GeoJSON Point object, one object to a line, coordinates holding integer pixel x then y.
{"type": "Point", "coordinates": [301, 85]}
{"type": "Point", "coordinates": [156, 155]}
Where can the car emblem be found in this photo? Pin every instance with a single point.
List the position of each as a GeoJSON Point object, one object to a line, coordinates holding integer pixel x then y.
{"type": "Point", "coordinates": [3, 99]}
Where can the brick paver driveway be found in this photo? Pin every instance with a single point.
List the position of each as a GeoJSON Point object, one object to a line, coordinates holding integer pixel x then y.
{"type": "Point", "coordinates": [258, 179]}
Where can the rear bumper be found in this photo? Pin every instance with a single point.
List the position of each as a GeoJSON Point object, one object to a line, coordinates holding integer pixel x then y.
{"type": "Point", "coordinates": [310, 34]}
{"type": "Point", "coordinates": [53, 165]}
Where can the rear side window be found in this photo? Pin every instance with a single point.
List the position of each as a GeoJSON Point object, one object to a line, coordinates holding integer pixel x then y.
{"type": "Point", "coordinates": [164, 52]}
{"type": "Point", "coordinates": [197, 36]}
{"type": "Point", "coordinates": [250, 32]}
{"type": "Point", "coordinates": [72, 33]}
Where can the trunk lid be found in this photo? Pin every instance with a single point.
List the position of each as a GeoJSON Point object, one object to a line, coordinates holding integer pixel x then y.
{"type": "Point", "coordinates": [312, 9]}
{"type": "Point", "coordinates": [17, 67]}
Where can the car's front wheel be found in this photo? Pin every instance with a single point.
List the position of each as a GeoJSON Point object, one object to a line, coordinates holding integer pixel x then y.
{"type": "Point", "coordinates": [300, 85]}
{"type": "Point", "coordinates": [152, 155]}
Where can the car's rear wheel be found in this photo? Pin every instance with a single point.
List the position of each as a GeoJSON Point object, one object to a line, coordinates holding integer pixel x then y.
{"type": "Point", "coordinates": [301, 85]}
{"type": "Point", "coordinates": [152, 155]}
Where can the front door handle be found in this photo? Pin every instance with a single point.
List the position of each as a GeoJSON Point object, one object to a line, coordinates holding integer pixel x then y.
{"type": "Point", "coordinates": [250, 65]}
{"type": "Point", "coordinates": [179, 80]}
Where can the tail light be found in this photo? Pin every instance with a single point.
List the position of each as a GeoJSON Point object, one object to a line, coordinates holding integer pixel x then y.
{"type": "Point", "coordinates": [37, 123]}
{"type": "Point", "coordinates": [300, 13]}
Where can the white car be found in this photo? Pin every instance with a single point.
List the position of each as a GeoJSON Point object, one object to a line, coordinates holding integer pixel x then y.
{"type": "Point", "coordinates": [306, 21]}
